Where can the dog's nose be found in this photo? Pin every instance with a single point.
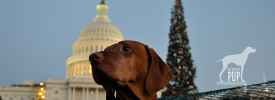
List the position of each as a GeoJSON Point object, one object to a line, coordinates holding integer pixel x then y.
{"type": "Point", "coordinates": [96, 57]}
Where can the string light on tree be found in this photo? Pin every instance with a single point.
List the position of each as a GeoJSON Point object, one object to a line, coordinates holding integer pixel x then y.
{"type": "Point", "coordinates": [179, 58]}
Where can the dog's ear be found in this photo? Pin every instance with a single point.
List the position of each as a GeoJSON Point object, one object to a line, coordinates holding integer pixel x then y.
{"type": "Point", "coordinates": [159, 74]}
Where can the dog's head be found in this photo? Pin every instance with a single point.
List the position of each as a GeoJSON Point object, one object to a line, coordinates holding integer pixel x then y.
{"type": "Point", "coordinates": [128, 61]}
{"type": "Point", "coordinates": [250, 49]}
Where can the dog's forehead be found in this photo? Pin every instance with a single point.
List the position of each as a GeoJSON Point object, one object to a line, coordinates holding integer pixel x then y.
{"type": "Point", "coordinates": [111, 47]}
{"type": "Point", "coordinates": [131, 43]}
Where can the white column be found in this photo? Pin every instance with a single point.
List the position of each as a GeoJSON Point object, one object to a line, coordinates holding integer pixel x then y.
{"type": "Point", "coordinates": [72, 70]}
{"type": "Point", "coordinates": [87, 93]}
{"type": "Point", "coordinates": [96, 93]}
{"type": "Point", "coordinates": [106, 93]}
{"type": "Point", "coordinates": [79, 68]}
{"type": "Point", "coordinates": [73, 93]}
{"type": "Point", "coordinates": [69, 93]}
{"type": "Point", "coordinates": [87, 67]}
{"type": "Point", "coordinates": [83, 93]}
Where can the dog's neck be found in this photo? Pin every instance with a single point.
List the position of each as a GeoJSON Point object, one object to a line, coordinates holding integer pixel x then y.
{"type": "Point", "coordinates": [136, 91]}
{"type": "Point", "coordinates": [245, 53]}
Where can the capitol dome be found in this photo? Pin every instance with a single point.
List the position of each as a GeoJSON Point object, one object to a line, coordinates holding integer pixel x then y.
{"type": "Point", "coordinates": [95, 37]}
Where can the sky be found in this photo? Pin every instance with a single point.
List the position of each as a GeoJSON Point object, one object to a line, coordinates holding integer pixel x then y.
{"type": "Point", "coordinates": [36, 36]}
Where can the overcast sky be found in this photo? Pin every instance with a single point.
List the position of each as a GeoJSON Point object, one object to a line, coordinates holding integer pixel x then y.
{"type": "Point", "coordinates": [36, 36]}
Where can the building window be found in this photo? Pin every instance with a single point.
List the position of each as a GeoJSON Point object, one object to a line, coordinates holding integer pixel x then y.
{"type": "Point", "coordinates": [101, 48]}
{"type": "Point", "coordinates": [74, 69]}
{"type": "Point", "coordinates": [101, 93]}
{"type": "Point", "coordinates": [56, 92]}
{"type": "Point", "coordinates": [85, 67]}
{"type": "Point", "coordinates": [82, 68]}
{"type": "Point", "coordinates": [92, 92]}
{"type": "Point", "coordinates": [77, 69]}
{"type": "Point", "coordinates": [32, 98]}
{"type": "Point", "coordinates": [96, 48]}
{"type": "Point", "coordinates": [78, 92]}
{"type": "Point", "coordinates": [90, 68]}
{"type": "Point", "coordinates": [22, 98]}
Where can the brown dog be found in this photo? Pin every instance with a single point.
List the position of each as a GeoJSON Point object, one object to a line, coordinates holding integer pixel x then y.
{"type": "Point", "coordinates": [131, 69]}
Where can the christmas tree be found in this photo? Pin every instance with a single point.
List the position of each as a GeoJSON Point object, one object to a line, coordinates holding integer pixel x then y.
{"type": "Point", "coordinates": [179, 58]}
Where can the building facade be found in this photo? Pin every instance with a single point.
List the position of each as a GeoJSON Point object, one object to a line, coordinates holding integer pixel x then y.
{"type": "Point", "coordinates": [29, 90]}
{"type": "Point", "coordinates": [79, 83]}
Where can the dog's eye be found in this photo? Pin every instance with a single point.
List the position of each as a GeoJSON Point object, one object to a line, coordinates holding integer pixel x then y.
{"type": "Point", "coordinates": [126, 49]}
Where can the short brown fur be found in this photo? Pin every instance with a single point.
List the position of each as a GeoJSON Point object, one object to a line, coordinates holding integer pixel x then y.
{"type": "Point", "coordinates": [132, 69]}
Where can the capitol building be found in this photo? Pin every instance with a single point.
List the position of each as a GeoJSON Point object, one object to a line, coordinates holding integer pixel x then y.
{"type": "Point", "coordinates": [79, 83]}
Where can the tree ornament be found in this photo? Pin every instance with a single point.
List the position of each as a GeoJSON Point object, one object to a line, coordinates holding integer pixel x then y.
{"type": "Point", "coordinates": [178, 60]}
{"type": "Point", "coordinates": [178, 92]}
{"type": "Point", "coordinates": [178, 78]}
{"type": "Point", "coordinates": [190, 86]}
{"type": "Point", "coordinates": [189, 72]}
{"type": "Point", "coordinates": [181, 52]}
{"type": "Point", "coordinates": [173, 92]}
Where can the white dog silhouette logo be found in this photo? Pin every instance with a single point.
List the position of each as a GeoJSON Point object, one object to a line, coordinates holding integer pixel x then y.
{"type": "Point", "coordinates": [238, 59]}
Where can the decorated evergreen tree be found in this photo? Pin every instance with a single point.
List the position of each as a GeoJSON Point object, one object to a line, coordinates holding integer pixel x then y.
{"type": "Point", "coordinates": [179, 58]}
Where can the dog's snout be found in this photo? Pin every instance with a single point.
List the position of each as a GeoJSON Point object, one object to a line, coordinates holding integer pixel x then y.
{"type": "Point", "coordinates": [96, 57]}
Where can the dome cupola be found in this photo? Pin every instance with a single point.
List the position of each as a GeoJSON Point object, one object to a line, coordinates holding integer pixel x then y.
{"type": "Point", "coordinates": [95, 37]}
